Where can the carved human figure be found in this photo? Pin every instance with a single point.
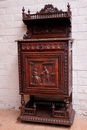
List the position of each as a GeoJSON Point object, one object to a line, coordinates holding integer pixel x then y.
{"type": "Point", "coordinates": [36, 78]}
{"type": "Point", "coordinates": [46, 73]}
{"type": "Point", "coordinates": [42, 77]}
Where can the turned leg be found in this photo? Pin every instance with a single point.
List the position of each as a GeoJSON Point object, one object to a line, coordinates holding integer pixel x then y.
{"type": "Point", "coordinates": [66, 102]}
{"type": "Point", "coordinates": [34, 106]}
{"type": "Point", "coordinates": [53, 107]}
{"type": "Point", "coordinates": [67, 105]}
{"type": "Point", "coordinates": [22, 104]}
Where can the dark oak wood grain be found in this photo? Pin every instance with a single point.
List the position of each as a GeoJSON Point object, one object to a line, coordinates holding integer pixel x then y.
{"type": "Point", "coordinates": [45, 67]}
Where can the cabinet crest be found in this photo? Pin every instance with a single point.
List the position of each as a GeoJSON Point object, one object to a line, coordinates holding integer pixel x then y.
{"type": "Point", "coordinates": [49, 9]}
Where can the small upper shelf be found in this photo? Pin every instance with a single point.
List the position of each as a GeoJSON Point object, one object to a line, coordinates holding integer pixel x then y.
{"type": "Point", "coordinates": [48, 12]}
{"type": "Point", "coordinates": [49, 22]}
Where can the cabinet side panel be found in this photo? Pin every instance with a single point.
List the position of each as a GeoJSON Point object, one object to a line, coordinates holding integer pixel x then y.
{"type": "Point", "coordinates": [19, 67]}
{"type": "Point", "coordinates": [70, 67]}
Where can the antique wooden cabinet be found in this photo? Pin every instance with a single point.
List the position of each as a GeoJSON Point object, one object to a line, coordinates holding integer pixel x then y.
{"type": "Point", "coordinates": [45, 67]}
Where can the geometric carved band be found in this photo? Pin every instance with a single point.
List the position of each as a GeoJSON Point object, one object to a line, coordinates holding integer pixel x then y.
{"type": "Point", "coordinates": [46, 120]}
{"type": "Point", "coordinates": [42, 46]}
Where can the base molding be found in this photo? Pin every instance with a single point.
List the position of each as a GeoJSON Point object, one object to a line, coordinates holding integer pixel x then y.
{"type": "Point", "coordinates": [46, 114]}
{"type": "Point", "coordinates": [48, 120]}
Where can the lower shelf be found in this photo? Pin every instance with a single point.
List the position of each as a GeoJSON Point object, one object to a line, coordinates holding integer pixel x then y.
{"type": "Point", "coordinates": [45, 112]}
{"type": "Point", "coordinates": [48, 120]}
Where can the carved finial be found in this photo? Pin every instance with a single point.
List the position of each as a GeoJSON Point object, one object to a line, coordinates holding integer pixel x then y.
{"type": "Point", "coordinates": [23, 9]}
{"type": "Point", "coordinates": [53, 106]}
{"type": "Point", "coordinates": [28, 11]}
{"type": "Point", "coordinates": [68, 7]}
{"type": "Point", "coordinates": [34, 105]}
{"type": "Point", "coordinates": [23, 12]}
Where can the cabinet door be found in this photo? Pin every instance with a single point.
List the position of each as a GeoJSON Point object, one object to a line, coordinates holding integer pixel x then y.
{"type": "Point", "coordinates": [43, 73]}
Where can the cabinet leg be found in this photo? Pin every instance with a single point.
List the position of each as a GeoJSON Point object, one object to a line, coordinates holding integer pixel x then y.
{"type": "Point", "coordinates": [67, 103]}
{"type": "Point", "coordinates": [68, 107]}
{"type": "Point", "coordinates": [22, 104]}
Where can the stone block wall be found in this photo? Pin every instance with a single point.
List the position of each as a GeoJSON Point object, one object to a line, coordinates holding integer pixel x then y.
{"type": "Point", "coordinates": [12, 28]}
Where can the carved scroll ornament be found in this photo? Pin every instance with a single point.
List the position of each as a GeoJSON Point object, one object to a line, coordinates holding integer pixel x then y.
{"type": "Point", "coordinates": [49, 9]}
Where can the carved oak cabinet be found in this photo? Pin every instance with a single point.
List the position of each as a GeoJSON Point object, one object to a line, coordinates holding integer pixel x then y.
{"type": "Point", "coordinates": [45, 67]}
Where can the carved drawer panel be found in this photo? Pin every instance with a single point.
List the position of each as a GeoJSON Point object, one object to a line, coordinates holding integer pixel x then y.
{"type": "Point", "coordinates": [43, 73]}
{"type": "Point", "coordinates": [42, 46]}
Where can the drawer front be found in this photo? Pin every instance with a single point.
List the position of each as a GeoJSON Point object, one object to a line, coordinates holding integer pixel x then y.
{"type": "Point", "coordinates": [43, 73]}
{"type": "Point", "coordinates": [36, 46]}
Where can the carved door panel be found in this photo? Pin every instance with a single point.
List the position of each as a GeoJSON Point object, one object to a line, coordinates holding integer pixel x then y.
{"type": "Point", "coordinates": [43, 73]}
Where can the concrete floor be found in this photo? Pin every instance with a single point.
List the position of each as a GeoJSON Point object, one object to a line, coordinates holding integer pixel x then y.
{"type": "Point", "coordinates": [8, 121]}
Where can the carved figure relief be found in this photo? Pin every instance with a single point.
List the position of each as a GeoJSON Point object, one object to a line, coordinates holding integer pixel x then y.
{"type": "Point", "coordinates": [45, 75]}
{"type": "Point", "coordinates": [36, 78]}
{"type": "Point", "coordinates": [42, 74]}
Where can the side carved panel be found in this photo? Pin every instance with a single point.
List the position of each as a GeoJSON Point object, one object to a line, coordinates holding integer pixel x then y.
{"type": "Point", "coordinates": [19, 67]}
{"type": "Point", "coordinates": [66, 71]}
